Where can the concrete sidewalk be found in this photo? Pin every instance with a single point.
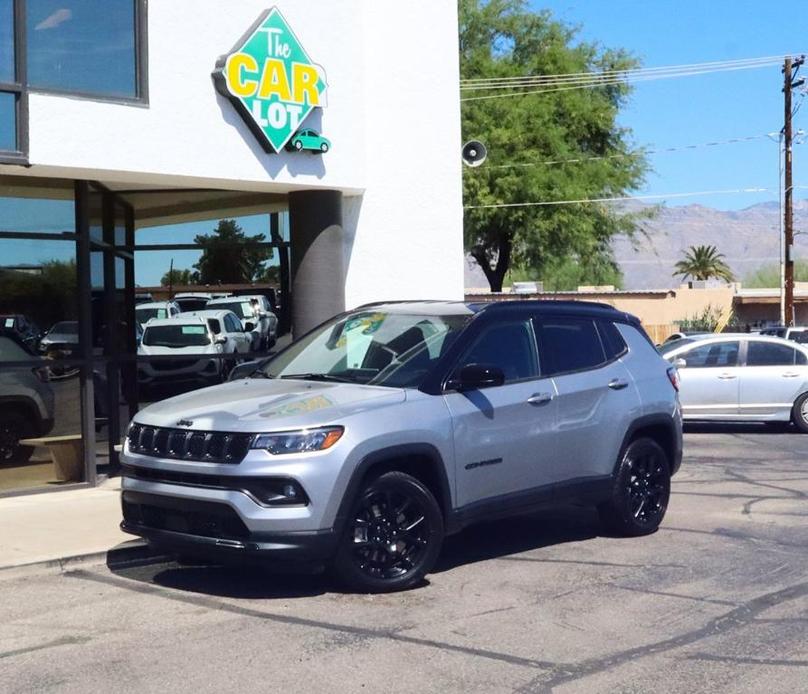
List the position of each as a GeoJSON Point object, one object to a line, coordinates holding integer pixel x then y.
{"type": "Point", "coordinates": [51, 530]}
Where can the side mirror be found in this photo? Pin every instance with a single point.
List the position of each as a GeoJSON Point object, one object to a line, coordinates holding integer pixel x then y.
{"type": "Point", "coordinates": [679, 363]}
{"type": "Point", "coordinates": [476, 376]}
{"type": "Point", "coordinates": [221, 339]}
{"type": "Point", "coordinates": [249, 327]}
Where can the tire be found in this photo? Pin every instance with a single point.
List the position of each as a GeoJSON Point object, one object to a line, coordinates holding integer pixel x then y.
{"type": "Point", "coordinates": [407, 532]}
{"type": "Point", "coordinates": [799, 413]}
{"type": "Point", "coordinates": [641, 491]}
{"type": "Point", "coordinates": [298, 145]}
{"type": "Point", "coordinates": [324, 148]}
{"type": "Point", "coordinates": [14, 427]}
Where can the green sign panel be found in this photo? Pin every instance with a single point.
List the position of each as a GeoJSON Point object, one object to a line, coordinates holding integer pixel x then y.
{"type": "Point", "coordinates": [272, 82]}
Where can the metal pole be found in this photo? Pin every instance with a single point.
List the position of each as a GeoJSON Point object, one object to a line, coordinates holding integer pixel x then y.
{"type": "Point", "coordinates": [782, 245]}
{"type": "Point", "coordinates": [788, 216]}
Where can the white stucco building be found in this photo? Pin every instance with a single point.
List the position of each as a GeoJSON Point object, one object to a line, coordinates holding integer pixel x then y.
{"type": "Point", "coordinates": [113, 130]}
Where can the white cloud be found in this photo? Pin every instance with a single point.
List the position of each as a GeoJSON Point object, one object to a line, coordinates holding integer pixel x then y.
{"type": "Point", "coordinates": [57, 18]}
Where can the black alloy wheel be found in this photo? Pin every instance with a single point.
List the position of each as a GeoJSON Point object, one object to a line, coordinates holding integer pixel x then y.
{"type": "Point", "coordinates": [641, 490]}
{"type": "Point", "coordinates": [393, 536]}
{"type": "Point", "coordinates": [14, 427]}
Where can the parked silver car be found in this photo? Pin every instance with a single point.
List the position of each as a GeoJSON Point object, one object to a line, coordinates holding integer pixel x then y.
{"type": "Point", "coordinates": [742, 377]}
{"type": "Point", "coordinates": [26, 400]}
{"type": "Point", "coordinates": [370, 438]}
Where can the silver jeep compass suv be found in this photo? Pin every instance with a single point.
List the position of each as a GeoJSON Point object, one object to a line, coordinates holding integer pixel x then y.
{"type": "Point", "coordinates": [368, 440]}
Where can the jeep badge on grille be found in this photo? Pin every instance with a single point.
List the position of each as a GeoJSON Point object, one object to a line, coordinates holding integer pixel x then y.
{"type": "Point", "coordinates": [184, 423]}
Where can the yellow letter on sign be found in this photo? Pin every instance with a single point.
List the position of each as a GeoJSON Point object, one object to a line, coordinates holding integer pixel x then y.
{"type": "Point", "coordinates": [238, 85]}
{"type": "Point", "coordinates": [304, 79]}
{"type": "Point", "coordinates": [274, 81]}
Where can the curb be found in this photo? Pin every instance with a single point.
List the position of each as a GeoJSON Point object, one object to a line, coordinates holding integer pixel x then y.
{"type": "Point", "coordinates": [129, 554]}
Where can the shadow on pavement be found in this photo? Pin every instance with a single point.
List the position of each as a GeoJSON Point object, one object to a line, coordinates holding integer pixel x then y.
{"type": "Point", "coordinates": [477, 543]}
{"type": "Point", "coordinates": [740, 428]}
{"type": "Point", "coordinates": [500, 538]}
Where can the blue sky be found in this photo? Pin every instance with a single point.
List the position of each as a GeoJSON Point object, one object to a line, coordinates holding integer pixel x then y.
{"type": "Point", "coordinates": [704, 108]}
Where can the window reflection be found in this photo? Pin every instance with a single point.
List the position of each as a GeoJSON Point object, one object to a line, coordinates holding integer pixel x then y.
{"type": "Point", "coordinates": [8, 121]}
{"type": "Point", "coordinates": [7, 41]}
{"type": "Point", "coordinates": [82, 45]}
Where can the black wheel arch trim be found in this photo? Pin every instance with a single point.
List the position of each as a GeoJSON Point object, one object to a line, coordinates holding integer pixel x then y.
{"type": "Point", "coordinates": [27, 404]}
{"type": "Point", "coordinates": [650, 421]}
{"type": "Point", "coordinates": [387, 455]}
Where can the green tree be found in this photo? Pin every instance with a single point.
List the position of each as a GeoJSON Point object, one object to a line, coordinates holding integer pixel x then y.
{"type": "Point", "coordinates": [703, 263]}
{"type": "Point", "coordinates": [229, 255]}
{"type": "Point", "coordinates": [178, 278]}
{"type": "Point", "coordinates": [530, 139]}
{"type": "Point", "coordinates": [768, 276]}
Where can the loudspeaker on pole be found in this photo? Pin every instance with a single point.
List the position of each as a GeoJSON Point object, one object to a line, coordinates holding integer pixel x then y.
{"type": "Point", "coordinates": [474, 153]}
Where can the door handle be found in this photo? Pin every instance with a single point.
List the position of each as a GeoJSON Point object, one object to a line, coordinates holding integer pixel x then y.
{"type": "Point", "coordinates": [790, 374]}
{"type": "Point", "coordinates": [618, 384]}
{"type": "Point", "coordinates": [539, 398]}
{"type": "Point", "coordinates": [727, 377]}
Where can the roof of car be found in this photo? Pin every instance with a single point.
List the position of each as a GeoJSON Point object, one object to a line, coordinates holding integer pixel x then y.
{"type": "Point", "coordinates": [505, 306]}
{"type": "Point", "coordinates": [154, 304]}
{"type": "Point", "coordinates": [176, 320]}
{"type": "Point", "coordinates": [205, 313]}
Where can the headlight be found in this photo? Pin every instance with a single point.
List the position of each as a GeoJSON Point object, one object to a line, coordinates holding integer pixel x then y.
{"type": "Point", "coordinates": [302, 441]}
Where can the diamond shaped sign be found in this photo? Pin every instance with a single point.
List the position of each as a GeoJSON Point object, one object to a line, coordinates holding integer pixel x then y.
{"type": "Point", "coordinates": [271, 81]}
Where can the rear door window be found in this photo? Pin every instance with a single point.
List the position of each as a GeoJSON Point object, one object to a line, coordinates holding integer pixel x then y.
{"type": "Point", "coordinates": [772, 354]}
{"type": "Point", "coordinates": [569, 344]}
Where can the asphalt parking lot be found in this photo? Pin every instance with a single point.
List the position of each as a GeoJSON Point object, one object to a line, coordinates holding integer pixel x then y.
{"type": "Point", "coordinates": [716, 601]}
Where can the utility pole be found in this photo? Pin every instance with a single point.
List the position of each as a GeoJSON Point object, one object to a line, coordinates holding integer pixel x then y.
{"type": "Point", "coordinates": [788, 214]}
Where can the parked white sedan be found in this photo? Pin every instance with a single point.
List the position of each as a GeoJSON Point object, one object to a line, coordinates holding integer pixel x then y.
{"type": "Point", "coordinates": [741, 377]}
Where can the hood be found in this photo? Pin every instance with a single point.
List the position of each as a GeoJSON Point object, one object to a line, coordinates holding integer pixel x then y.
{"type": "Point", "coordinates": [256, 405]}
{"type": "Point", "coordinates": [155, 351]}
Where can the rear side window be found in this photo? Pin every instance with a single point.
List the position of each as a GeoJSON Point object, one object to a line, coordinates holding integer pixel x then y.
{"type": "Point", "coordinates": [772, 354]}
{"type": "Point", "coordinates": [570, 344]}
{"type": "Point", "coordinates": [613, 343]}
{"type": "Point", "coordinates": [509, 346]}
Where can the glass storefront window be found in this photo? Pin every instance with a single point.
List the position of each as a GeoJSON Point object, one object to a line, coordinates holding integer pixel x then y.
{"type": "Point", "coordinates": [8, 121]}
{"type": "Point", "coordinates": [26, 210]}
{"type": "Point", "coordinates": [7, 70]}
{"type": "Point", "coordinates": [85, 46]}
{"type": "Point", "coordinates": [40, 394]}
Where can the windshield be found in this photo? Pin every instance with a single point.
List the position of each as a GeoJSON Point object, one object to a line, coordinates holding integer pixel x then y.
{"type": "Point", "coordinates": [243, 309]}
{"type": "Point", "coordinates": [65, 328]}
{"type": "Point", "coordinates": [376, 348]}
{"type": "Point", "coordinates": [144, 315]}
{"type": "Point", "coordinates": [176, 336]}
{"type": "Point", "coordinates": [191, 303]}
{"type": "Point", "coordinates": [668, 347]}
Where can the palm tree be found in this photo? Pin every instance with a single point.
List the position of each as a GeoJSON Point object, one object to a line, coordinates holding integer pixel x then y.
{"type": "Point", "coordinates": [702, 263]}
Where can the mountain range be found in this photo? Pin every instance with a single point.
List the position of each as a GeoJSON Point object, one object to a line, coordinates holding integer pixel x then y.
{"type": "Point", "coordinates": [748, 238]}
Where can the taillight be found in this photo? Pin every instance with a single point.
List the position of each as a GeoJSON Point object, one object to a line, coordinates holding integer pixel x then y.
{"type": "Point", "coordinates": [673, 377]}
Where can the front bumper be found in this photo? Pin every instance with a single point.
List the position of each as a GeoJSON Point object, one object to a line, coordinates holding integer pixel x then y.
{"type": "Point", "coordinates": [215, 531]}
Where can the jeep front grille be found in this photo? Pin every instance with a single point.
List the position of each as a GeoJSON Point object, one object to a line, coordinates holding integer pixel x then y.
{"type": "Point", "coordinates": [194, 446]}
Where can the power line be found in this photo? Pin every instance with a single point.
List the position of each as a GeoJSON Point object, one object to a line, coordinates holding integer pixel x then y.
{"type": "Point", "coordinates": [543, 203]}
{"type": "Point", "coordinates": [624, 73]}
{"type": "Point", "coordinates": [595, 81]}
{"type": "Point", "coordinates": [680, 148]}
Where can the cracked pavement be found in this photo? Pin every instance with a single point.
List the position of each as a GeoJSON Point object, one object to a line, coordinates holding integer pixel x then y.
{"type": "Point", "coordinates": [716, 601]}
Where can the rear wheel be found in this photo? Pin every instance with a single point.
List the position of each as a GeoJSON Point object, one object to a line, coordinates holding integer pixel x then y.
{"type": "Point", "coordinates": [14, 427]}
{"type": "Point", "coordinates": [641, 490]}
{"type": "Point", "coordinates": [393, 536]}
{"type": "Point", "coordinates": [799, 413]}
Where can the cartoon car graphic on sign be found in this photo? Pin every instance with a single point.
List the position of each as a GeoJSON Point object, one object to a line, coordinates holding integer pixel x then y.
{"type": "Point", "coordinates": [309, 140]}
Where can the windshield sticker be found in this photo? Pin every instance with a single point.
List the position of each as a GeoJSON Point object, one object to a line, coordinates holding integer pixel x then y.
{"type": "Point", "coordinates": [368, 325]}
{"type": "Point", "coordinates": [9, 322]}
{"type": "Point", "coordinates": [318, 402]}
{"type": "Point", "coordinates": [193, 330]}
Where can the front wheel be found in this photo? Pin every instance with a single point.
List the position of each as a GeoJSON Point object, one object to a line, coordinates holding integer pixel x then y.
{"type": "Point", "coordinates": [324, 148]}
{"type": "Point", "coordinates": [14, 427]}
{"type": "Point", "coordinates": [799, 413]}
{"type": "Point", "coordinates": [393, 535]}
{"type": "Point", "coordinates": [641, 490]}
